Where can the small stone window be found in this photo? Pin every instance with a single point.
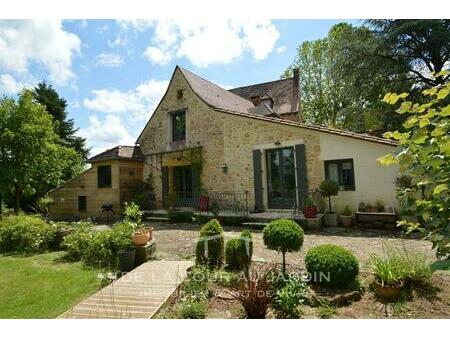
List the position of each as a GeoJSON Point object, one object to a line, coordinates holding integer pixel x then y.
{"type": "Point", "coordinates": [342, 172]}
{"type": "Point", "coordinates": [178, 126]}
{"type": "Point", "coordinates": [268, 102]}
{"type": "Point", "coordinates": [179, 93]}
{"type": "Point", "coordinates": [82, 203]}
{"type": "Point", "coordinates": [104, 176]}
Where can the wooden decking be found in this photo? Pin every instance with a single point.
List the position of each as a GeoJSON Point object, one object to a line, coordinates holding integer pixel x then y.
{"type": "Point", "coordinates": [138, 294]}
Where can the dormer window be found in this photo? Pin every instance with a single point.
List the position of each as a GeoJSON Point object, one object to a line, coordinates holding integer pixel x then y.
{"type": "Point", "coordinates": [178, 120]}
{"type": "Point", "coordinates": [267, 102]}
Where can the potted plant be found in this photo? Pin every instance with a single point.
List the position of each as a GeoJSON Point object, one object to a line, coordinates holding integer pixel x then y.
{"type": "Point", "coordinates": [379, 206]}
{"type": "Point", "coordinates": [327, 189]}
{"type": "Point", "coordinates": [127, 259]}
{"type": "Point", "coordinates": [149, 230]}
{"type": "Point", "coordinates": [362, 207]}
{"type": "Point", "coordinates": [309, 210]}
{"type": "Point", "coordinates": [347, 217]}
{"type": "Point", "coordinates": [389, 277]}
{"type": "Point", "coordinates": [369, 207]}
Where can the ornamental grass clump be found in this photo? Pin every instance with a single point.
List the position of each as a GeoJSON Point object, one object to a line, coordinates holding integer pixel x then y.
{"type": "Point", "coordinates": [332, 266]}
{"type": "Point", "coordinates": [398, 266]}
{"type": "Point", "coordinates": [289, 296]}
{"type": "Point", "coordinates": [209, 250]}
{"type": "Point", "coordinates": [283, 235]}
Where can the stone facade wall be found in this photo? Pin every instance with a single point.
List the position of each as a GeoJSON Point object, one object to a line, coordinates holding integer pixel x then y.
{"type": "Point", "coordinates": [65, 197]}
{"type": "Point", "coordinates": [225, 139]}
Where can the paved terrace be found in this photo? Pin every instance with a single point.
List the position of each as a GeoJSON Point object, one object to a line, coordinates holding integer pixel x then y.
{"type": "Point", "coordinates": [138, 294]}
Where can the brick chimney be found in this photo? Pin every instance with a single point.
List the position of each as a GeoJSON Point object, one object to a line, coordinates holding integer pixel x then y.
{"type": "Point", "coordinates": [296, 105]}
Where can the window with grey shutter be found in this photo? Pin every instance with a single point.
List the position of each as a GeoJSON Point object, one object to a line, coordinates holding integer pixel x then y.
{"type": "Point", "coordinates": [302, 177]}
{"type": "Point", "coordinates": [257, 177]}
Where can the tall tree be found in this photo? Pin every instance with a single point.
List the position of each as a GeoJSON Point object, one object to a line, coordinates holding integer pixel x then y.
{"type": "Point", "coordinates": [423, 46]}
{"type": "Point", "coordinates": [32, 157]}
{"type": "Point", "coordinates": [56, 106]}
{"type": "Point", "coordinates": [341, 86]}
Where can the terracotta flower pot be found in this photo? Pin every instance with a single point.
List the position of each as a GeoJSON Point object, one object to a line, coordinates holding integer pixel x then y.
{"type": "Point", "coordinates": [346, 221]}
{"type": "Point", "coordinates": [310, 212]}
{"type": "Point", "coordinates": [140, 238]}
{"type": "Point", "coordinates": [150, 232]}
{"type": "Point", "coordinates": [388, 293]}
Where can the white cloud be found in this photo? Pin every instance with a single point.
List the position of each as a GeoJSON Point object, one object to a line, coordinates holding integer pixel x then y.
{"type": "Point", "coordinates": [109, 60]}
{"type": "Point", "coordinates": [106, 133]}
{"type": "Point", "coordinates": [281, 49]}
{"type": "Point", "coordinates": [9, 85]}
{"type": "Point", "coordinates": [137, 24]}
{"type": "Point", "coordinates": [119, 41]}
{"type": "Point", "coordinates": [140, 102]}
{"type": "Point", "coordinates": [210, 41]}
{"type": "Point", "coordinates": [45, 43]}
{"type": "Point", "coordinates": [157, 55]}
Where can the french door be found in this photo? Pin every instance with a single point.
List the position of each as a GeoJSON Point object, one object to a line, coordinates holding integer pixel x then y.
{"type": "Point", "coordinates": [281, 178]}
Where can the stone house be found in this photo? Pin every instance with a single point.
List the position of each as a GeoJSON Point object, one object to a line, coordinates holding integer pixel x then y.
{"type": "Point", "coordinates": [203, 140]}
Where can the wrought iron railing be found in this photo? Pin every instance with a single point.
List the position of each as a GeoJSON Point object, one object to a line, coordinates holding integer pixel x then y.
{"type": "Point", "coordinates": [214, 202]}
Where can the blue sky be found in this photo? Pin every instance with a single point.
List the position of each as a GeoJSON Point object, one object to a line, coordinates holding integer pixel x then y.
{"type": "Point", "coordinates": [113, 72]}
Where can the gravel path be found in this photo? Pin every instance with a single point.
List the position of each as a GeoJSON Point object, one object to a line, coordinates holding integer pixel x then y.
{"type": "Point", "coordinates": [177, 241]}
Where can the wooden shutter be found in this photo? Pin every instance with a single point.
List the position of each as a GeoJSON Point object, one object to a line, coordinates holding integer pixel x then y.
{"type": "Point", "coordinates": [302, 178]}
{"type": "Point", "coordinates": [165, 184]}
{"type": "Point", "coordinates": [257, 177]}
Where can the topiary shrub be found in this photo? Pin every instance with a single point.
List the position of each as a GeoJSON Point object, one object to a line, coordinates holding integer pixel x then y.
{"type": "Point", "coordinates": [26, 234]}
{"type": "Point", "coordinates": [329, 188]}
{"type": "Point", "coordinates": [332, 266]}
{"type": "Point", "coordinates": [210, 246]}
{"type": "Point", "coordinates": [238, 251]}
{"type": "Point", "coordinates": [283, 235]}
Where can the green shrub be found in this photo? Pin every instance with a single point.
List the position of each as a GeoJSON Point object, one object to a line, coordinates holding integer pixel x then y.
{"type": "Point", "coordinates": [192, 309]}
{"type": "Point", "coordinates": [133, 214]}
{"type": "Point", "coordinates": [210, 246]}
{"type": "Point", "coordinates": [332, 266]}
{"type": "Point", "coordinates": [98, 248]}
{"type": "Point", "coordinates": [329, 188]}
{"type": "Point", "coordinates": [283, 235]}
{"type": "Point", "coordinates": [181, 216]}
{"type": "Point", "coordinates": [26, 234]}
{"type": "Point", "coordinates": [289, 297]}
{"type": "Point", "coordinates": [76, 243]}
{"type": "Point", "coordinates": [238, 251]}
{"type": "Point", "coordinates": [326, 311]}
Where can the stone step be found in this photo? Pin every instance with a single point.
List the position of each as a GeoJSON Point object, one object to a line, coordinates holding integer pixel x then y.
{"type": "Point", "coordinates": [156, 219]}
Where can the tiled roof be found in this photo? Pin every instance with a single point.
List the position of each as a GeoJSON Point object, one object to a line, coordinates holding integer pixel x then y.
{"type": "Point", "coordinates": [215, 95]}
{"type": "Point", "coordinates": [328, 130]}
{"type": "Point", "coordinates": [119, 152]}
{"type": "Point", "coordinates": [225, 101]}
{"type": "Point", "coordinates": [280, 91]}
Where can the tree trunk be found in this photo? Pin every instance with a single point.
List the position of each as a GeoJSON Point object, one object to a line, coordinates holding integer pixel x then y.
{"type": "Point", "coordinates": [329, 204]}
{"type": "Point", "coordinates": [284, 262]}
{"type": "Point", "coordinates": [17, 194]}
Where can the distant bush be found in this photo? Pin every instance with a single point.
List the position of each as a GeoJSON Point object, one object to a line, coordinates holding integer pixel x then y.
{"type": "Point", "coordinates": [133, 213]}
{"type": "Point", "coordinates": [210, 246]}
{"type": "Point", "coordinates": [25, 234]}
{"type": "Point", "coordinates": [332, 266]}
{"type": "Point", "coordinates": [75, 244]}
{"type": "Point", "coordinates": [181, 216]}
{"type": "Point", "coordinates": [283, 235]}
{"type": "Point", "coordinates": [238, 251]}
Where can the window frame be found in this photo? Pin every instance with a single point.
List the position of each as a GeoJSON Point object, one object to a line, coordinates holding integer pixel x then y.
{"type": "Point", "coordinates": [82, 210]}
{"type": "Point", "coordinates": [101, 185]}
{"type": "Point", "coordinates": [172, 125]}
{"type": "Point", "coordinates": [339, 163]}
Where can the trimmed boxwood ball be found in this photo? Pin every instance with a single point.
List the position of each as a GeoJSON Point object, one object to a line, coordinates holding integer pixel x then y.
{"type": "Point", "coordinates": [340, 263]}
{"type": "Point", "coordinates": [238, 251]}
{"type": "Point", "coordinates": [283, 235]}
{"type": "Point", "coordinates": [210, 246]}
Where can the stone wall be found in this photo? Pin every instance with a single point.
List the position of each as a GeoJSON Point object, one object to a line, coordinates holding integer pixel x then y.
{"type": "Point", "coordinates": [65, 197]}
{"type": "Point", "coordinates": [225, 139]}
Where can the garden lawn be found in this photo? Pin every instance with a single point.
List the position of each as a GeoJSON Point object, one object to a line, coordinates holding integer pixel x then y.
{"type": "Point", "coordinates": [43, 286]}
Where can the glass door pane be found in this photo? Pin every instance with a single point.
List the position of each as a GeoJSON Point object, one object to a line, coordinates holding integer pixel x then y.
{"type": "Point", "coordinates": [281, 178]}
